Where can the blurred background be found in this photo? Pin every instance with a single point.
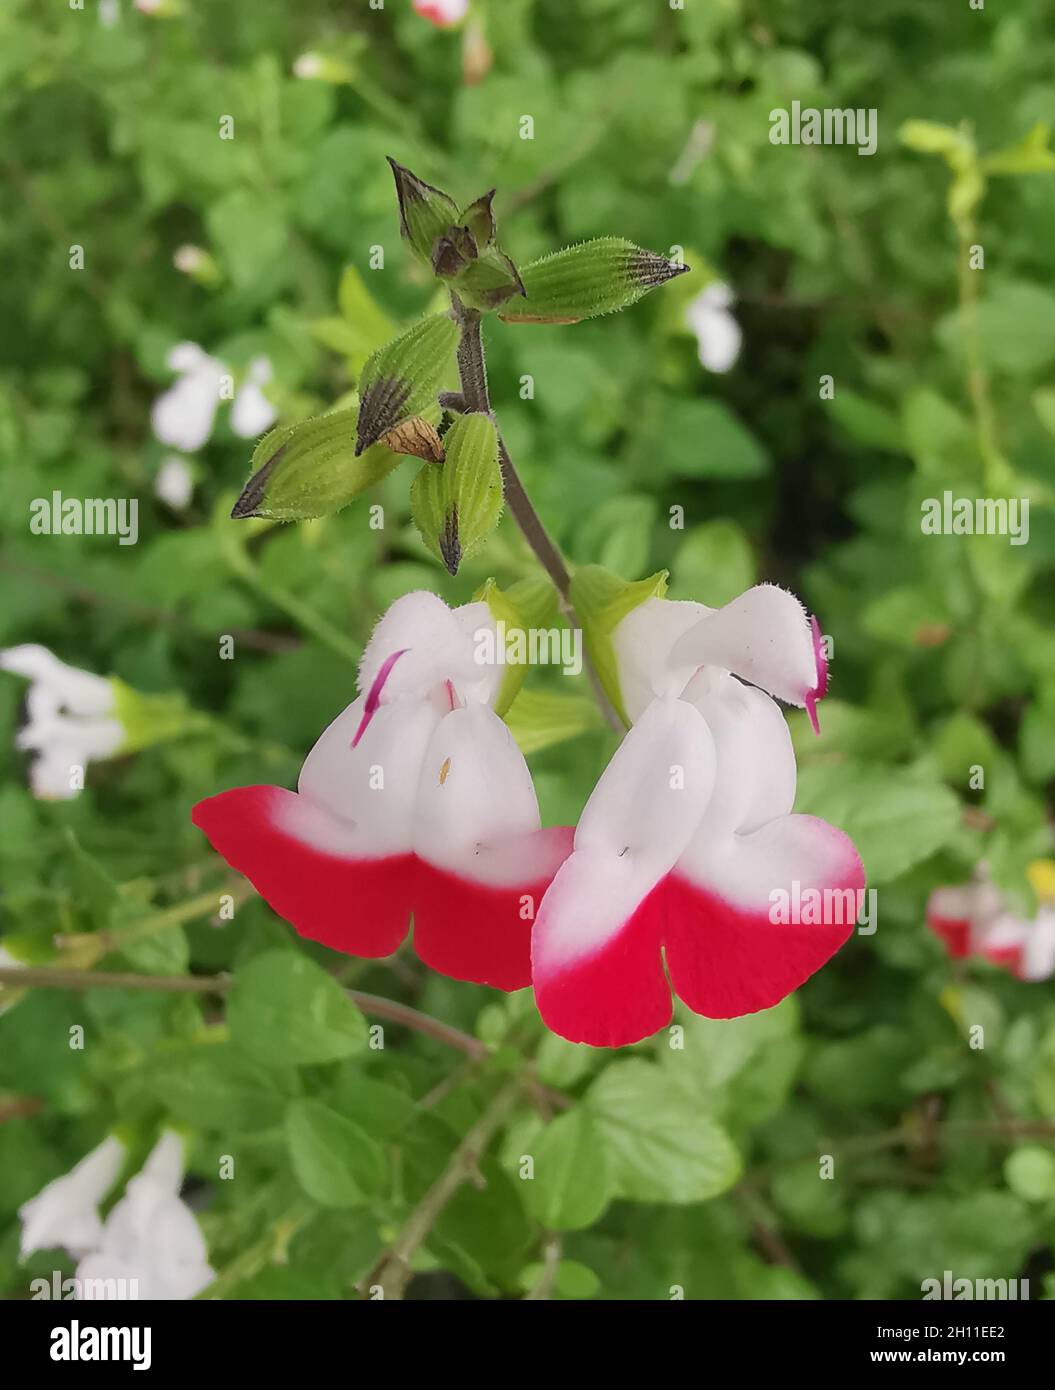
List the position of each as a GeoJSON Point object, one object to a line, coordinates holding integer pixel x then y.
{"type": "Point", "coordinates": [212, 172]}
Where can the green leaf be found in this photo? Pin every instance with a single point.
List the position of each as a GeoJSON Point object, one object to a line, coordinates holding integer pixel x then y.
{"type": "Point", "coordinates": [594, 277]}
{"type": "Point", "coordinates": [456, 504]}
{"type": "Point", "coordinates": [894, 817]}
{"type": "Point", "coordinates": [1030, 155]}
{"type": "Point", "coordinates": [571, 1186]}
{"type": "Point", "coordinates": [213, 1086]}
{"type": "Point", "coordinates": [311, 469]}
{"type": "Point", "coordinates": [713, 564]}
{"type": "Point", "coordinates": [1030, 1173]}
{"type": "Point", "coordinates": [403, 379]}
{"type": "Point", "coordinates": [1015, 325]}
{"type": "Point", "coordinates": [661, 1148]}
{"type": "Point", "coordinates": [285, 1008]}
{"type": "Point", "coordinates": [335, 1161]}
{"type": "Point", "coordinates": [866, 421]}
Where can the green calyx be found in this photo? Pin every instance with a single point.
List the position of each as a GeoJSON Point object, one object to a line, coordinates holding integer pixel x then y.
{"type": "Point", "coordinates": [456, 504]}
{"type": "Point", "coordinates": [402, 380]}
{"type": "Point", "coordinates": [602, 600]}
{"type": "Point", "coordinates": [529, 603]}
{"type": "Point", "coordinates": [592, 278]}
{"type": "Point", "coordinates": [458, 246]}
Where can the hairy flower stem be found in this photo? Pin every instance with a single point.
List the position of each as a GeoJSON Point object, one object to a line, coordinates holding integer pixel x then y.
{"type": "Point", "coordinates": [472, 369]}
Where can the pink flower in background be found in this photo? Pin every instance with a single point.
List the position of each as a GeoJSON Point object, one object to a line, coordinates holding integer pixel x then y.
{"type": "Point", "coordinates": [688, 837]}
{"type": "Point", "coordinates": [974, 920]}
{"type": "Point", "coordinates": [415, 800]}
{"type": "Point", "coordinates": [444, 13]}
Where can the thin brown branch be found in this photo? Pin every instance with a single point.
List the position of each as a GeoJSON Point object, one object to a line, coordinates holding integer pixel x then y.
{"type": "Point", "coordinates": [393, 1271]}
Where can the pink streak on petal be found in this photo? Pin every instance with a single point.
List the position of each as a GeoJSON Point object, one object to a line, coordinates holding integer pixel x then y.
{"type": "Point", "coordinates": [821, 688]}
{"type": "Point", "coordinates": [373, 698]}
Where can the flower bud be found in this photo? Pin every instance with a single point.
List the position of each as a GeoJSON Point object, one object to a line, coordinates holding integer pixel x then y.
{"type": "Point", "coordinates": [595, 277]}
{"type": "Point", "coordinates": [312, 469]}
{"type": "Point", "coordinates": [402, 380]}
{"type": "Point", "coordinates": [457, 504]}
{"type": "Point", "coordinates": [425, 213]}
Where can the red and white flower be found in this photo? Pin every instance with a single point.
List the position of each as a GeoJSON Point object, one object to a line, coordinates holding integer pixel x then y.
{"type": "Point", "coordinates": [415, 800]}
{"type": "Point", "coordinates": [973, 919]}
{"type": "Point", "coordinates": [443, 13]}
{"type": "Point", "coordinates": [689, 833]}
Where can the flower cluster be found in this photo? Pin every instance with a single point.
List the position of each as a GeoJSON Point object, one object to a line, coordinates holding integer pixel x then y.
{"type": "Point", "coordinates": [973, 919]}
{"type": "Point", "coordinates": [417, 802]}
{"type": "Point", "coordinates": [150, 1241]}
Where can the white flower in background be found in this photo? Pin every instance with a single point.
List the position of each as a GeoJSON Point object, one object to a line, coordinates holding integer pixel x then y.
{"type": "Point", "coordinates": [184, 415]}
{"type": "Point", "coordinates": [442, 12]}
{"type": "Point", "coordinates": [188, 258]}
{"type": "Point", "coordinates": [174, 484]}
{"type": "Point", "coordinates": [109, 13]}
{"type": "Point", "coordinates": [717, 333]}
{"type": "Point", "coordinates": [66, 1213]}
{"type": "Point", "coordinates": [70, 719]}
{"type": "Point", "coordinates": [251, 412]}
{"type": "Point", "coordinates": [308, 65]}
{"type": "Point", "coordinates": [151, 1236]}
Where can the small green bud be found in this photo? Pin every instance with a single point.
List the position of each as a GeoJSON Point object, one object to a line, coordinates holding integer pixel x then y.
{"type": "Point", "coordinates": [311, 469]}
{"type": "Point", "coordinates": [602, 600]}
{"type": "Point", "coordinates": [425, 213]}
{"type": "Point", "coordinates": [489, 281]}
{"type": "Point", "coordinates": [456, 505]}
{"type": "Point", "coordinates": [595, 277]}
{"type": "Point", "coordinates": [479, 218]}
{"type": "Point", "coordinates": [403, 379]}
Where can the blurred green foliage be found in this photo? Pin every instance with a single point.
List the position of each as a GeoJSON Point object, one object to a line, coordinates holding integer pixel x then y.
{"type": "Point", "coordinates": [694, 1167]}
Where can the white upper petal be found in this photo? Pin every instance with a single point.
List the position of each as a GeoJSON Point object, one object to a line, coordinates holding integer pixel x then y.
{"type": "Point", "coordinates": [363, 798]}
{"type": "Point", "coordinates": [476, 799]}
{"type": "Point", "coordinates": [763, 635]}
{"type": "Point", "coordinates": [643, 642]}
{"type": "Point", "coordinates": [634, 828]}
{"type": "Point", "coordinates": [65, 1212]}
{"type": "Point", "coordinates": [437, 649]}
{"type": "Point", "coordinates": [756, 774]}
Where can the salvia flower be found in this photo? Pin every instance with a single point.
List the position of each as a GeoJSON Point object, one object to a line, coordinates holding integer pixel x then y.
{"type": "Point", "coordinates": [687, 848]}
{"type": "Point", "coordinates": [973, 919]}
{"type": "Point", "coordinates": [65, 1213]}
{"type": "Point", "coordinates": [415, 800]}
{"type": "Point", "coordinates": [151, 1240]}
{"type": "Point", "coordinates": [183, 416]}
{"type": "Point", "coordinates": [443, 13]}
{"type": "Point", "coordinates": [717, 333]}
{"type": "Point", "coordinates": [71, 719]}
